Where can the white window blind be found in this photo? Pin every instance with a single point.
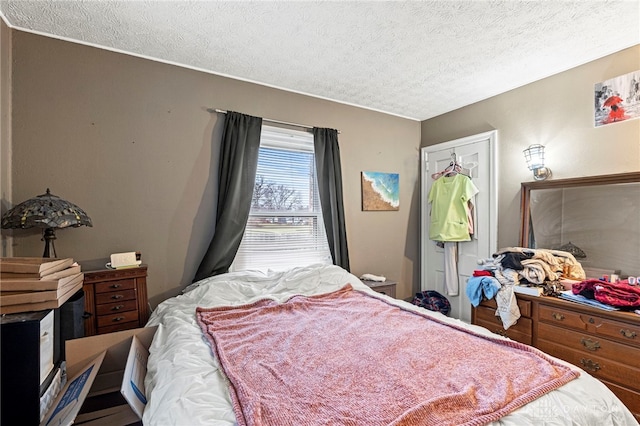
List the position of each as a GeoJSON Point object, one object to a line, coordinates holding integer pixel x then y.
{"type": "Point", "coordinates": [285, 227]}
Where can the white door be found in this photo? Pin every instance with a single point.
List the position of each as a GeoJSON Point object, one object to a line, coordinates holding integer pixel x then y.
{"type": "Point", "coordinates": [476, 153]}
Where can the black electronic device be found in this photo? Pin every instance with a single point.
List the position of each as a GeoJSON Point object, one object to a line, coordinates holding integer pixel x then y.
{"type": "Point", "coordinates": [29, 362]}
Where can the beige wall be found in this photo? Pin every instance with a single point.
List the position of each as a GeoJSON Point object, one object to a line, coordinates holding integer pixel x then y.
{"type": "Point", "coordinates": [130, 141]}
{"type": "Point", "coordinates": [5, 130]}
{"type": "Point", "coordinates": [557, 112]}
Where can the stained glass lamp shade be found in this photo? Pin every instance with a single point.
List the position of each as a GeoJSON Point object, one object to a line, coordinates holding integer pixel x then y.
{"type": "Point", "coordinates": [46, 211]}
{"type": "Point", "coordinates": [576, 251]}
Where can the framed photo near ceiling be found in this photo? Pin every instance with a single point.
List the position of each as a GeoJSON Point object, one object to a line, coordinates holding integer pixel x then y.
{"type": "Point", "coordinates": [380, 191]}
{"type": "Point", "coordinates": [617, 99]}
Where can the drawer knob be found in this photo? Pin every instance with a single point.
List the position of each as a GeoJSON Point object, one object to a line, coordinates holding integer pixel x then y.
{"type": "Point", "coordinates": [116, 286]}
{"type": "Point", "coordinates": [116, 319]}
{"type": "Point", "coordinates": [557, 316]}
{"type": "Point", "coordinates": [117, 296]}
{"type": "Point", "coordinates": [590, 365]}
{"type": "Point", "coordinates": [590, 344]}
{"type": "Point", "coordinates": [628, 333]}
{"type": "Point", "coordinates": [117, 308]}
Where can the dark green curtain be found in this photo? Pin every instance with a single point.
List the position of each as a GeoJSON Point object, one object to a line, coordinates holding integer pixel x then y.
{"type": "Point", "coordinates": [236, 180]}
{"type": "Point", "coordinates": [329, 171]}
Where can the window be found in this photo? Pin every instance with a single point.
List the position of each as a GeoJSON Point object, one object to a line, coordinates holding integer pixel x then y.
{"type": "Point", "coordinates": [285, 227]}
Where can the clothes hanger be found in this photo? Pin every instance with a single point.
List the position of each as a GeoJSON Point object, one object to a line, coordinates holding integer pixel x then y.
{"type": "Point", "coordinates": [453, 169]}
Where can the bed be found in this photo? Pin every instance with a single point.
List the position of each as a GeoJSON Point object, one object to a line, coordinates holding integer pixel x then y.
{"type": "Point", "coordinates": [186, 384]}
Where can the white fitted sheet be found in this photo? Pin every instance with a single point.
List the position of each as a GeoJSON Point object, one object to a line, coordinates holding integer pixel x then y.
{"type": "Point", "coordinates": [185, 385]}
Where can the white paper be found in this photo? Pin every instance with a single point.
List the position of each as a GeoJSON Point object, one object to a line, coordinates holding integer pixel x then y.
{"type": "Point", "coordinates": [134, 373]}
{"type": "Point", "coordinates": [69, 403]}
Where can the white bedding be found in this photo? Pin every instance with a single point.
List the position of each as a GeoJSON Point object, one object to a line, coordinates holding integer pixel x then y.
{"type": "Point", "coordinates": [184, 385]}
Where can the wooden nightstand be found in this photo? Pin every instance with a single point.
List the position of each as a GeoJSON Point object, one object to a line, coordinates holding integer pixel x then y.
{"type": "Point", "coordinates": [384, 287]}
{"type": "Point", "coordinates": [115, 299]}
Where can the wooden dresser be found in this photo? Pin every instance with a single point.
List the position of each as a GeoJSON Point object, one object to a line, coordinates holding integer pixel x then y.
{"type": "Point", "coordinates": [605, 344]}
{"type": "Point", "coordinates": [115, 299]}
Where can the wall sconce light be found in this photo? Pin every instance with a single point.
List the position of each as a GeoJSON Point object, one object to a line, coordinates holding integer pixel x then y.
{"type": "Point", "coordinates": [535, 161]}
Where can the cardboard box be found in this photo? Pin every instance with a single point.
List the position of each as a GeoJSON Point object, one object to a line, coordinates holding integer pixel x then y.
{"type": "Point", "coordinates": [106, 380]}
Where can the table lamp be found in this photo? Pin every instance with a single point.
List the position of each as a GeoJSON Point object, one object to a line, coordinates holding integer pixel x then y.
{"type": "Point", "coordinates": [48, 212]}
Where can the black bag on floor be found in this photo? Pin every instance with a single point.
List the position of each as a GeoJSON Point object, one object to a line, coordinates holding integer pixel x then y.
{"type": "Point", "coordinates": [432, 300]}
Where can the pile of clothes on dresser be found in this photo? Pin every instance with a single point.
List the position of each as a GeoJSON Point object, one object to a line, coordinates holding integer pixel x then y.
{"type": "Point", "coordinates": [513, 266]}
{"type": "Point", "coordinates": [620, 294]}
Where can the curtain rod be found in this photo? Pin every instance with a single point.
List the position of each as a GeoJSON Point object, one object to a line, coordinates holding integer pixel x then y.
{"type": "Point", "coordinates": [304, 126]}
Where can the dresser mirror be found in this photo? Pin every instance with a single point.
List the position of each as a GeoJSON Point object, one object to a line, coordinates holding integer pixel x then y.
{"type": "Point", "coordinates": [596, 218]}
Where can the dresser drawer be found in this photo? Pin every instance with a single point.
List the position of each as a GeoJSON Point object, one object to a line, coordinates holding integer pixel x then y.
{"type": "Point", "coordinates": [115, 319]}
{"type": "Point", "coordinates": [523, 305]}
{"type": "Point", "coordinates": [628, 397]}
{"type": "Point", "coordinates": [113, 308]}
{"type": "Point", "coordinates": [561, 317]}
{"type": "Point", "coordinates": [117, 327]}
{"type": "Point", "coordinates": [520, 331]}
{"type": "Point", "coordinates": [115, 296]}
{"type": "Point", "coordinates": [628, 334]}
{"type": "Point", "coordinates": [590, 344]}
{"type": "Point", "coordinates": [114, 293]}
{"type": "Point", "coordinates": [616, 330]}
{"type": "Point", "coordinates": [118, 285]}
{"type": "Point", "coordinates": [593, 364]}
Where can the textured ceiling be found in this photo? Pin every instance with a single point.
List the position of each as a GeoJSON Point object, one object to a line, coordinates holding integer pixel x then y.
{"type": "Point", "coordinates": [414, 59]}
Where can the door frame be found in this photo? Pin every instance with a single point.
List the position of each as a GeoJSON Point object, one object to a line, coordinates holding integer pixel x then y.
{"type": "Point", "coordinates": [492, 136]}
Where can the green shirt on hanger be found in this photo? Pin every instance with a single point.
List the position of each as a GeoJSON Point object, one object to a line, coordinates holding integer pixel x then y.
{"type": "Point", "coordinates": [449, 197]}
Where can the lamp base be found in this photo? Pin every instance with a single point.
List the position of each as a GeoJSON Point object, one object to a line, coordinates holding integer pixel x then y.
{"type": "Point", "coordinates": [541, 173]}
{"type": "Point", "coordinates": [48, 235]}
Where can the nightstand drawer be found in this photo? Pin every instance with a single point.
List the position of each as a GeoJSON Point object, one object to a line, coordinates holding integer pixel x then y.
{"type": "Point", "coordinates": [114, 293]}
{"type": "Point", "coordinates": [115, 286]}
{"type": "Point", "coordinates": [115, 296]}
{"type": "Point", "coordinates": [384, 287]}
{"type": "Point", "coordinates": [118, 327]}
{"type": "Point", "coordinates": [114, 308]}
{"type": "Point", "coordinates": [118, 318]}
{"type": "Point", "coordinates": [389, 290]}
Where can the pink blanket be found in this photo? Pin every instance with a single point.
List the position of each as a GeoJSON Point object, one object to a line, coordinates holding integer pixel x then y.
{"type": "Point", "coordinates": [347, 358]}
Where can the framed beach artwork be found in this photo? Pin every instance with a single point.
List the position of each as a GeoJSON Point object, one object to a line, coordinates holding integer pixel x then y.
{"type": "Point", "coordinates": [380, 191]}
{"type": "Point", "coordinates": [617, 99]}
